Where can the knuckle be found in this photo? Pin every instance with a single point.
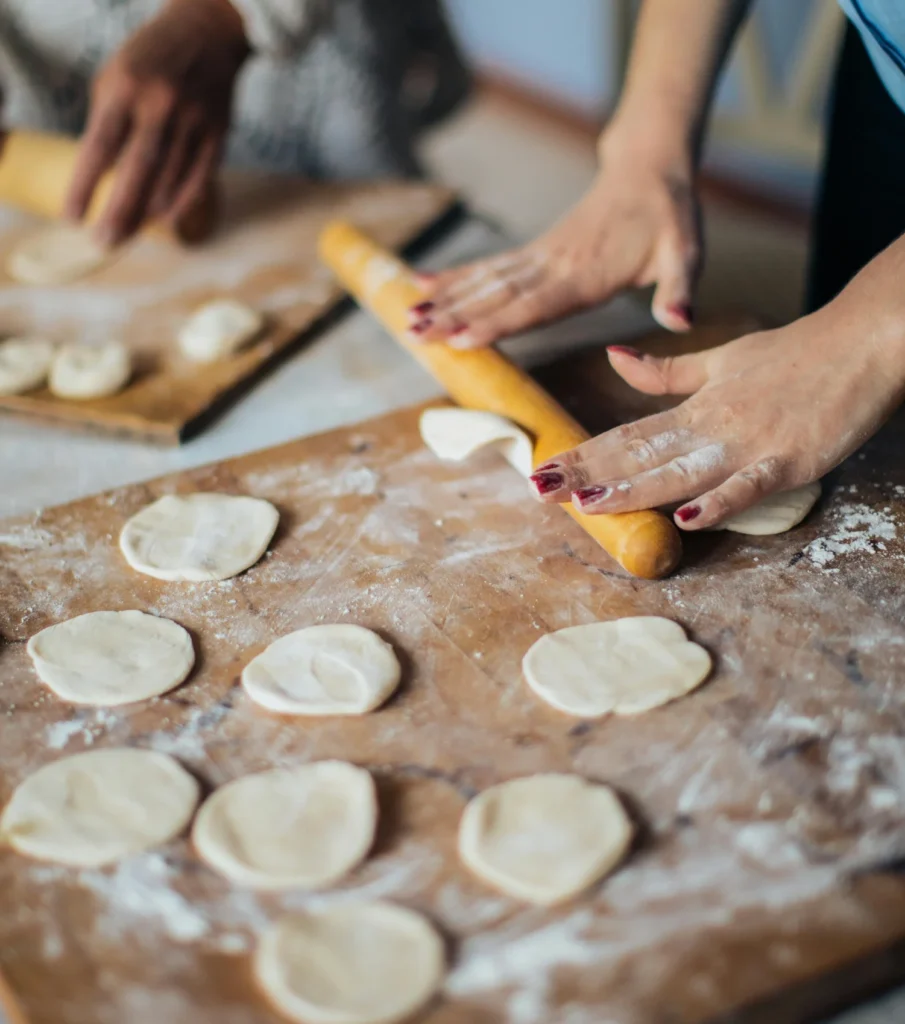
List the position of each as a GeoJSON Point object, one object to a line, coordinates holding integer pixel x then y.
{"type": "Point", "coordinates": [720, 506]}
{"type": "Point", "coordinates": [763, 477]}
{"type": "Point", "coordinates": [641, 450]}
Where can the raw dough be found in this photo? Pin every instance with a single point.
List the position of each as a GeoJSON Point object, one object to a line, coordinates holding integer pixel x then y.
{"type": "Point", "coordinates": [625, 666]}
{"type": "Point", "coordinates": [544, 838]}
{"type": "Point", "coordinates": [98, 807]}
{"type": "Point", "coordinates": [295, 827]}
{"type": "Point", "coordinates": [324, 670]}
{"type": "Point", "coordinates": [219, 329]}
{"type": "Point", "coordinates": [24, 364]}
{"type": "Point", "coordinates": [56, 254]}
{"type": "Point", "coordinates": [776, 514]}
{"type": "Point", "coordinates": [198, 537]}
{"type": "Point", "coordinates": [109, 658]}
{"type": "Point", "coordinates": [362, 963]}
{"type": "Point", "coordinates": [454, 434]}
{"type": "Point", "coordinates": [90, 371]}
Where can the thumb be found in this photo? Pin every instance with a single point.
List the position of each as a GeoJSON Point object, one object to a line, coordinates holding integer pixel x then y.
{"type": "Point", "coordinates": [677, 267]}
{"type": "Point", "coordinates": [670, 375]}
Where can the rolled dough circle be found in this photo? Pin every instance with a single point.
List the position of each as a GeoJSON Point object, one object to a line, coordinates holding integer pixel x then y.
{"type": "Point", "coordinates": [299, 827]}
{"type": "Point", "coordinates": [775, 514]}
{"type": "Point", "coordinates": [544, 838]}
{"type": "Point", "coordinates": [324, 670]}
{"type": "Point", "coordinates": [98, 807]}
{"type": "Point", "coordinates": [218, 329]}
{"type": "Point", "coordinates": [455, 434]}
{"type": "Point", "coordinates": [363, 963]}
{"type": "Point", "coordinates": [624, 667]}
{"type": "Point", "coordinates": [56, 254]}
{"type": "Point", "coordinates": [110, 658]}
{"type": "Point", "coordinates": [198, 537]}
{"type": "Point", "coordinates": [83, 372]}
{"type": "Point", "coordinates": [24, 364]}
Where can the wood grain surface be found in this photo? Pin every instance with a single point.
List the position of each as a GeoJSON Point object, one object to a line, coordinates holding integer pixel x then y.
{"type": "Point", "coordinates": [770, 804]}
{"type": "Point", "coordinates": [264, 253]}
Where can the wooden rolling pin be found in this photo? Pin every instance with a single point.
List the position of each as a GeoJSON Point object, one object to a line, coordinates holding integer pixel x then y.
{"type": "Point", "coordinates": [647, 544]}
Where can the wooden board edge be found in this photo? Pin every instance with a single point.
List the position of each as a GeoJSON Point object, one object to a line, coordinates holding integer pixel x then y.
{"type": "Point", "coordinates": [10, 1006]}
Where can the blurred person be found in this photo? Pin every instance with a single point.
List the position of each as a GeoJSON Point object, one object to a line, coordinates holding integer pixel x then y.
{"type": "Point", "coordinates": [767, 412]}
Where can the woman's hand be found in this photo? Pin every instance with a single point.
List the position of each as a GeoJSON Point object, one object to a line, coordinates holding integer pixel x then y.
{"type": "Point", "coordinates": [160, 110]}
{"type": "Point", "coordinates": [638, 225]}
{"type": "Point", "coordinates": [767, 412]}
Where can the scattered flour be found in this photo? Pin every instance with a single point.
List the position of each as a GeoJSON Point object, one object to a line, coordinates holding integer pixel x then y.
{"type": "Point", "coordinates": [857, 529]}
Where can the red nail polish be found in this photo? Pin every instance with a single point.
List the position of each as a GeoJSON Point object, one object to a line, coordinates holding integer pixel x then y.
{"type": "Point", "coordinates": [626, 350]}
{"type": "Point", "coordinates": [588, 494]}
{"type": "Point", "coordinates": [546, 467]}
{"type": "Point", "coordinates": [546, 483]}
{"type": "Point", "coordinates": [422, 308]}
{"type": "Point", "coordinates": [422, 326]}
{"type": "Point", "coordinates": [682, 311]}
{"type": "Point", "coordinates": [688, 513]}
{"type": "Point", "coordinates": [458, 329]}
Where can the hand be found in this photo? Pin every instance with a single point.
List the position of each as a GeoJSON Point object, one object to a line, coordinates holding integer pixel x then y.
{"type": "Point", "coordinates": [768, 412]}
{"type": "Point", "coordinates": [638, 225]}
{"type": "Point", "coordinates": [160, 111]}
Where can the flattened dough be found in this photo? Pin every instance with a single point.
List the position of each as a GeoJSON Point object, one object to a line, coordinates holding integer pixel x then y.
{"type": "Point", "coordinates": [363, 963]}
{"type": "Point", "coordinates": [297, 827]}
{"type": "Point", "coordinates": [82, 372]}
{"type": "Point", "coordinates": [110, 658]}
{"type": "Point", "coordinates": [198, 537]}
{"type": "Point", "coordinates": [324, 670]}
{"type": "Point", "coordinates": [98, 807]}
{"type": "Point", "coordinates": [776, 514]}
{"type": "Point", "coordinates": [625, 666]}
{"type": "Point", "coordinates": [56, 254]}
{"type": "Point", "coordinates": [24, 364]}
{"type": "Point", "coordinates": [218, 329]}
{"type": "Point", "coordinates": [544, 838]}
{"type": "Point", "coordinates": [455, 434]}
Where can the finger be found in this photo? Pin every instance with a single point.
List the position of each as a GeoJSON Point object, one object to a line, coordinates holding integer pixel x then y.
{"type": "Point", "coordinates": [655, 375]}
{"type": "Point", "coordinates": [182, 151]}
{"type": "Point", "coordinates": [108, 126]}
{"type": "Point", "coordinates": [445, 284]}
{"type": "Point", "coordinates": [198, 178]}
{"type": "Point", "coordinates": [677, 268]}
{"type": "Point", "coordinates": [739, 492]}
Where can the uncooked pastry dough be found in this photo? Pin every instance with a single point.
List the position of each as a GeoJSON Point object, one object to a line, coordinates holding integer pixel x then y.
{"type": "Point", "coordinates": [24, 364]}
{"type": "Point", "coordinates": [219, 329]}
{"type": "Point", "coordinates": [776, 514]}
{"type": "Point", "coordinates": [109, 658]}
{"type": "Point", "coordinates": [359, 963]}
{"type": "Point", "coordinates": [295, 827]}
{"type": "Point", "coordinates": [324, 670]}
{"type": "Point", "coordinates": [544, 838]}
{"type": "Point", "coordinates": [198, 537]}
{"type": "Point", "coordinates": [56, 254]}
{"type": "Point", "coordinates": [99, 806]}
{"type": "Point", "coordinates": [90, 371]}
{"type": "Point", "coordinates": [455, 434]}
{"type": "Point", "coordinates": [625, 666]}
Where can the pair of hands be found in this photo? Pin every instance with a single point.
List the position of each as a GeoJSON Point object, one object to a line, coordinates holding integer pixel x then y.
{"type": "Point", "coordinates": [160, 110]}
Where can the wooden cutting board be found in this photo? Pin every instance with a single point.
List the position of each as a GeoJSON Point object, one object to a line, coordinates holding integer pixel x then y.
{"type": "Point", "coordinates": [264, 254]}
{"type": "Point", "coordinates": [770, 804]}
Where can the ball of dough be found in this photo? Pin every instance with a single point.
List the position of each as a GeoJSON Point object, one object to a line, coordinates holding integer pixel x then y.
{"type": "Point", "coordinates": [24, 364]}
{"type": "Point", "coordinates": [625, 666]}
{"type": "Point", "coordinates": [83, 372]}
{"type": "Point", "coordinates": [219, 329]}
{"type": "Point", "coordinates": [198, 537]}
{"type": "Point", "coordinates": [110, 658]}
{"type": "Point", "coordinates": [324, 670]}
{"type": "Point", "coordinates": [296, 827]}
{"type": "Point", "coordinates": [98, 807]}
{"type": "Point", "coordinates": [56, 254]}
{"type": "Point", "coordinates": [455, 434]}
{"type": "Point", "coordinates": [364, 963]}
{"type": "Point", "coordinates": [776, 514]}
{"type": "Point", "coordinates": [544, 838]}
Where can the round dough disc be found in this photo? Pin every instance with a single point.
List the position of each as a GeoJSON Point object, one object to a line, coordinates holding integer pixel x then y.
{"type": "Point", "coordinates": [219, 329]}
{"type": "Point", "coordinates": [298, 827]}
{"type": "Point", "coordinates": [83, 372]}
{"type": "Point", "coordinates": [109, 658]}
{"type": "Point", "coordinates": [544, 838]}
{"type": "Point", "coordinates": [363, 963]}
{"type": "Point", "coordinates": [455, 434]}
{"type": "Point", "coordinates": [56, 254]}
{"type": "Point", "coordinates": [24, 364]}
{"type": "Point", "coordinates": [198, 537]}
{"type": "Point", "coordinates": [625, 666]}
{"type": "Point", "coordinates": [776, 514]}
{"type": "Point", "coordinates": [98, 807]}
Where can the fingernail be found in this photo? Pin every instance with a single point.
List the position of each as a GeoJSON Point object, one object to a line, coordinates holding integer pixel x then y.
{"type": "Point", "coordinates": [422, 325]}
{"type": "Point", "coordinates": [626, 350]}
{"type": "Point", "coordinates": [586, 495]}
{"type": "Point", "coordinates": [546, 467]}
{"type": "Point", "coordinates": [682, 311]}
{"type": "Point", "coordinates": [688, 513]}
{"type": "Point", "coordinates": [421, 309]}
{"type": "Point", "coordinates": [547, 483]}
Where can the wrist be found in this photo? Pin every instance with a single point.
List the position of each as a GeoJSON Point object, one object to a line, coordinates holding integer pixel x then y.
{"type": "Point", "coordinates": [643, 142]}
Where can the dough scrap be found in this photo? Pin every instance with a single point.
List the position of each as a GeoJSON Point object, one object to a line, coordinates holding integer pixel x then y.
{"type": "Point", "coordinates": [299, 827]}
{"type": "Point", "coordinates": [198, 537]}
{"type": "Point", "coordinates": [57, 254]}
{"type": "Point", "coordinates": [775, 514]}
{"type": "Point", "coordinates": [83, 372]}
{"type": "Point", "coordinates": [324, 670]}
{"type": "Point", "coordinates": [363, 963]}
{"type": "Point", "coordinates": [218, 329]}
{"type": "Point", "coordinates": [625, 666]}
{"type": "Point", "coordinates": [455, 434]}
{"type": "Point", "coordinates": [111, 658]}
{"type": "Point", "coordinates": [24, 364]}
{"type": "Point", "coordinates": [97, 807]}
{"type": "Point", "coordinates": [544, 838]}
